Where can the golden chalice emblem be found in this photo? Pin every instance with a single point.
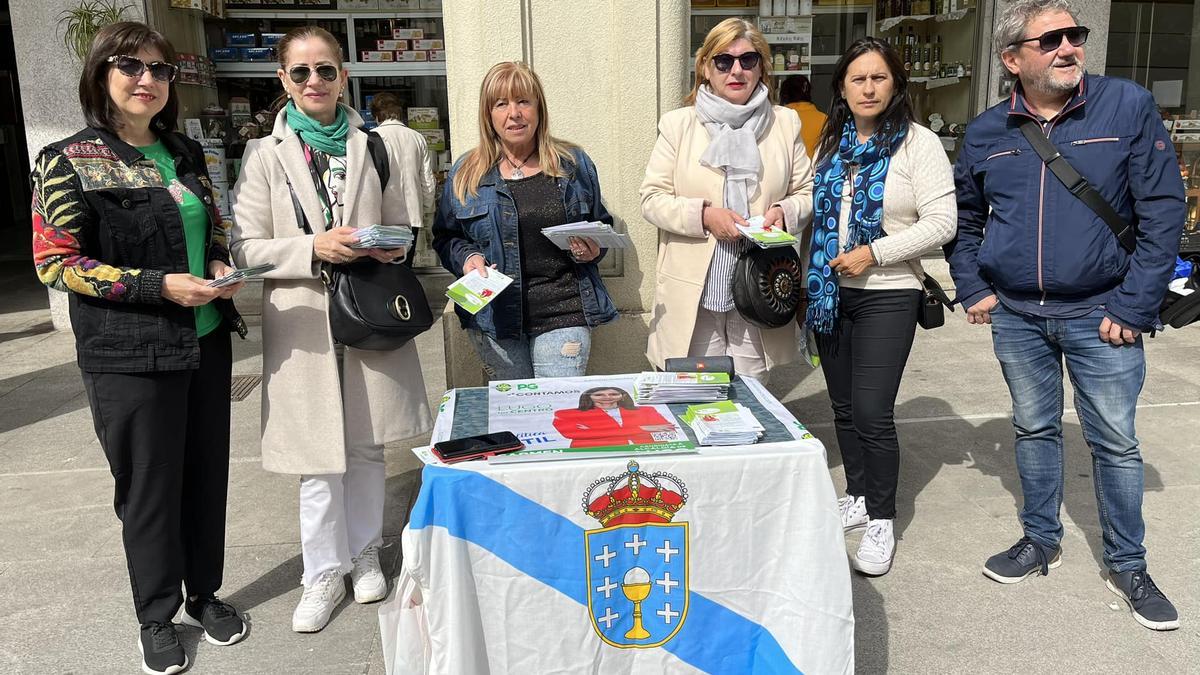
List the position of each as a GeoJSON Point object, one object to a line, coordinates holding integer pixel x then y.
{"type": "Point", "coordinates": [637, 588]}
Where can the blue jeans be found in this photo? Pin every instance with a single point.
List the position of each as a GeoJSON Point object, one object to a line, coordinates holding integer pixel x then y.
{"type": "Point", "coordinates": [557, 353]}
{"type": "Point", "coordinates": [1107, 383]}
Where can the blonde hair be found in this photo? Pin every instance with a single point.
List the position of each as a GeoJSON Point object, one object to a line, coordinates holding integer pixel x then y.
{"type": "Point", "coordinates": [509, 80]}
{"type": "Point", "coordinates": [718, 40]}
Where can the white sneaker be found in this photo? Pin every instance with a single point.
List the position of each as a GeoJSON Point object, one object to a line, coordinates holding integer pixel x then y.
{"type": "Point", "coordinates": [877, 548]}
{"type": "Point", "coordinates": [318, 602]}
{"type": "Point", "coordinates": [853, 511]}
{"type": "Point", "coordinates": [370, 585]}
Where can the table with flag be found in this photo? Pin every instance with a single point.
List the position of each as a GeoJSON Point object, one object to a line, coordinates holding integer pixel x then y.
{"type": "Point", "coordinates": [724, 560]}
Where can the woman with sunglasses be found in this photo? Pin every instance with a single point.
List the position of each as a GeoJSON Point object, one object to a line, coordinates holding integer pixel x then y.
{"type": "Point", "coordinates": [327, 410]}
{"type": "Point", "coordinates": [124, 221]}
{"type": "Point", "coordinates": [883, 196]}
{"type": "Point", "coordinates": [497, 199]}
{"type": "Point", "coordinates": [728, 156]}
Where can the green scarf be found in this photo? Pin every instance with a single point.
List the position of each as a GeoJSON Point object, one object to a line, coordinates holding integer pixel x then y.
{"type": "Point", "coordinates": [330, 139]}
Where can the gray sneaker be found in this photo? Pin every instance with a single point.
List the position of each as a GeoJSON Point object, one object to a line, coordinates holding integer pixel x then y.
{"type": "Point", "coordinates": [1150, 607]}
{"type": "Point", "coordinates": [1024, 558]}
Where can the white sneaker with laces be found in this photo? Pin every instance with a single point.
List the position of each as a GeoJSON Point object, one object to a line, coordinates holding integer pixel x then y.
{"type": "Point", "coordinates": [318, 602]}
{"type": "Point", "coordinates": [877, 548]}
{"type": "Point", "coordinates": [370, 585]}
{"type": "Point", "coordinates": [853, 511]}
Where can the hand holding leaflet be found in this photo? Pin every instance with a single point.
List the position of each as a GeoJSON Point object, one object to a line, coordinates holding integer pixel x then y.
{"type": "Point", "coordinates": [765, 237]}
{"type": "Point", "coordinates": [601, 233]}
{"type": "Point", "coordinates": [474, 291]}
{"type": "Point", "coordinates": [242, 275]}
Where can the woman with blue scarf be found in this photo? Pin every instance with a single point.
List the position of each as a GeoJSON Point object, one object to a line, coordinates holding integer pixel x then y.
{"type": "Point", "coordinates": [883, 195]}
{"type": "Point", "coordinates": [327, 410]}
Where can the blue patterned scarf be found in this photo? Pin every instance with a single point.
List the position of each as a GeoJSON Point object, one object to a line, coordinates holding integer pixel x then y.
{"type": "Point", "coordinates": [864, 224]}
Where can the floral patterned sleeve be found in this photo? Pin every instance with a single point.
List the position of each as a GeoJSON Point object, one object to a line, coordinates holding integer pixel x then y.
{"type": "Point", "coordinates": [60, 219]}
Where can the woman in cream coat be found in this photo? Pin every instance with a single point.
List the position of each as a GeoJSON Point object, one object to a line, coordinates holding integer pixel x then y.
{"type": "Point", "coordinates": [323, 416]}
{"type": "Point", "coordinates": [704, 176]}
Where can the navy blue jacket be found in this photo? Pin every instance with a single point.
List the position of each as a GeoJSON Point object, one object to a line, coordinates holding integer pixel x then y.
{"type": "Point", "coordinates": [487, 224]}
{"type": "Point", "coordinates": [1040, 246]}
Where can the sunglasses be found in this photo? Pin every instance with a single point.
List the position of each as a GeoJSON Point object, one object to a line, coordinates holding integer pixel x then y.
{"type": "Point", "coordinates": [134, 67]}
{"type": "Point", "coordinates": [1052, 39]}
{"type": "Point", "coordinates": [724, 62]}
{"type": "Point", "coordinates": [300, 74]}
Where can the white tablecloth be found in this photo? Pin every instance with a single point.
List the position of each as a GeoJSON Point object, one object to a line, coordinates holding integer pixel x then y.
{"type": "Point", "coordinates": [505, 571]}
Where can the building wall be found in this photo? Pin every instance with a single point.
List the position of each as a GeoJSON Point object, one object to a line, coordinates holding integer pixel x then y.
{"type": "Point", "coordinates": [610, 70]}
{"type": "Point", "coordinates": [49, 76]}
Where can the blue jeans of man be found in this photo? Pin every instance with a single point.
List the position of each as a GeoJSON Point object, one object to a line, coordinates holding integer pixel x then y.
{"type": "Point", "coordinates": [1107, 381]}
{"type": "Point", "coordinates": [557, 353]}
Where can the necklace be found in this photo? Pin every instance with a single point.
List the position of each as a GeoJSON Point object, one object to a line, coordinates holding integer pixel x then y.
{"type": "Point", "coordinates": [516, 168]}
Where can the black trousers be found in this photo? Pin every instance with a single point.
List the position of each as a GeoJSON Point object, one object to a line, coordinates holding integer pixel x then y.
{"type": "Point", "coordinates": [863, 365]}
{"type": "Point", "coordinates": [166, 436]}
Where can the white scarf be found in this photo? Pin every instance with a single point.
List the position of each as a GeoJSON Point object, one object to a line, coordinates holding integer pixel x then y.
{"type": "Point", "coordinates": [735, 131]}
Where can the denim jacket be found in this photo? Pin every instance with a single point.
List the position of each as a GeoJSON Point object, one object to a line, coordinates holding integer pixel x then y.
{"type": "Point", "coordinates": [487, 223]}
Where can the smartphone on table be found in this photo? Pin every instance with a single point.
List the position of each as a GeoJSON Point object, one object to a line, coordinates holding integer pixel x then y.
{"type": "Point", "coordinates": [476, 447]}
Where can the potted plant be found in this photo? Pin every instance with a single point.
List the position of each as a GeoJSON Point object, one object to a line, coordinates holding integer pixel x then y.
{"type": "Point", "coordinates": [80, 24]}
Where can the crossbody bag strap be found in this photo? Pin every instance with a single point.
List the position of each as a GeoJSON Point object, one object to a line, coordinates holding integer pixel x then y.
{"type": "Point", "coordinates": [1077, 184]}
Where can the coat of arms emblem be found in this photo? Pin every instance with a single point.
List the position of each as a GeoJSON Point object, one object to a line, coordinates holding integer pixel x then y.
{"type": "Point", "coordinates": [637, 563]}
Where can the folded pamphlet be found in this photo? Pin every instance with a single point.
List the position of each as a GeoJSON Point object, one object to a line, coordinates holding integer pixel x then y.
{"type": "Point", "coordinates": [473, 291]}
{"type": "Point", "coordinates": [764, 237]}
{"type": "Point", "coordinates": [723, 423]}
{"type": "Point", "coordinates": [383, 236]}
{"type": "Point", "coordinates": [241, 275]}
{"type": "Point", "coordinates": [681, 387]}
{"type": "Point", "coordinates": [601, 233]}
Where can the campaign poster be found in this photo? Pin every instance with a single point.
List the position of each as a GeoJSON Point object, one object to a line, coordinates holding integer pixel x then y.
{"type": "Point", "coordinates": [595, 414]}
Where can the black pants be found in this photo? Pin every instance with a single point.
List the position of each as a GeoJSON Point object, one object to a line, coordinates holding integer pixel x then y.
{"type": "Point", "coordinates": [863, 366]}
{"type": "Point", "coordinates": [166, 436]}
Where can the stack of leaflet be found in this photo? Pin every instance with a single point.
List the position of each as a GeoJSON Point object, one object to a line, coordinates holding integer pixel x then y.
{"type": "Point", "coordinates": [242, 275]}
{"type": "Point", "coordinates": [383, 236]}
{"type": "Point", "coordinates": [756, 232]}
{"type": "Point", "coordinates": [652, 388]}
{"type": "Point", "coordinates": [601, 233]}
{"type": "Point", "coordinates": [723, 423]}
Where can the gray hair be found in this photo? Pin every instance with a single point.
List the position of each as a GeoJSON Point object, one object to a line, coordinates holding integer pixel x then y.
{"type": "Point", "coordinates": [1010, 26]}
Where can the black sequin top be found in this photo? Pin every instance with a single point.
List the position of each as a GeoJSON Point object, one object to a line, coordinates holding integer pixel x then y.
{"type": "Point", "coordinates": [550, 291]}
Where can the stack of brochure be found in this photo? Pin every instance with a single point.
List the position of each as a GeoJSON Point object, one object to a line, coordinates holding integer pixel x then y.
{"type": "Point", "coordinates": [383, 236]}
{"type": "Point", "coordinates": [241, 275]}
{"type": "Point", "coordinates": [681, 387]}
{"type": "Point", "coordinates": [723, 423]}
{"type": "Point", "coordinates": [765, 238]}
{"type": "Point", "coordinates": [601, 233]}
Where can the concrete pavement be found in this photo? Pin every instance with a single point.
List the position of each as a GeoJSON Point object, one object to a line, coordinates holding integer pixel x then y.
{"type": "Point", "coordinates": [65, 603]}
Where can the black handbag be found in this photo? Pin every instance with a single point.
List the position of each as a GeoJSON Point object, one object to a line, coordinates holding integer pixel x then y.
{"type": "Point", "coordinates": [931, 313]}
{"type": "Point", "coordinates": [372, 305]}
{"type": "Point", "coordinates": [768, 286]}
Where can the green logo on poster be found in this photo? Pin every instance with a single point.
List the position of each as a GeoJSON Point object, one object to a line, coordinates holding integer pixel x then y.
{"type": "Point", "coordinates": [503, 387]}
{"type": "Point", "coordinates": [527, 387]}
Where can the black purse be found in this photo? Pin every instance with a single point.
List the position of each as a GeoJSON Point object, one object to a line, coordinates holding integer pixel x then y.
{"type": "Point", "coordinates": [931, 312]}
{"type": "Point", "coordinates": [372, 305]}
{"type": "Point", "coordinates": [768, 286]}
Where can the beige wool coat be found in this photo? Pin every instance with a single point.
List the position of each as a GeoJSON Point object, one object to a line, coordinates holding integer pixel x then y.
{"type": "Point", "coordinates": [674, 190]}
{"type": "Point", "coordinates": [309, 413]}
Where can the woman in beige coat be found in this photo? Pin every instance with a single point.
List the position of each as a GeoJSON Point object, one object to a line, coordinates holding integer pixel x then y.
{"type": "Point", "coordinates": [727, 157]}
{"type": "Point", "coordinates": [326, 412]}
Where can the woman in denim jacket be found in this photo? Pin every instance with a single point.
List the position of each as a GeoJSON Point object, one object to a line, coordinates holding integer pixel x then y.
{"type": "Point", "coordinates": [495, 203]}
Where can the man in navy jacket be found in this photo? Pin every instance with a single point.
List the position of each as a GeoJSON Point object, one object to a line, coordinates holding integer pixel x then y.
{"type": "Point", "coordinates": [1054, 282]}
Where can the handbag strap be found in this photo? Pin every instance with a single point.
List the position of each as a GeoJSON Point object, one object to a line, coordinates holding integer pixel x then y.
{"type": "Point", "coordinates": [1077, 184]}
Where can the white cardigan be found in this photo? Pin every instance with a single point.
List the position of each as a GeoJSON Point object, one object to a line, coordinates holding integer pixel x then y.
{"type": "Point", "coordinates": [919, 212]}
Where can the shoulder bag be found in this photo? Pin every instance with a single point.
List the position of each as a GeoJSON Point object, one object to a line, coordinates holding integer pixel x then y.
{"type": "Point", "coordinates": [768, 286]}
{"type": "Point", "coordinates": [372, 305]}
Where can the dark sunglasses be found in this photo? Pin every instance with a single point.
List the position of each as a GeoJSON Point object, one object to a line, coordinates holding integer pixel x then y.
{"type": "Point", "coordinates": [300, 74]}
{"type": "Point", "coordinates": [134, 67]}
{"type": "Point", "coordinates": [724, 62]}
{"type": "Point", "coordinates": [1052, 39]}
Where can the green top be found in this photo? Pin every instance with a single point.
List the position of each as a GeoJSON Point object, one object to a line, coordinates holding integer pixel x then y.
{"type": "Point", "coordinates": [195, 229]}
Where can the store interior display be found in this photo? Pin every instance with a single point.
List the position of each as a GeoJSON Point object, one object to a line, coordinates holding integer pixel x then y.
{"type": "Point", "coordinates": [1185, 134]}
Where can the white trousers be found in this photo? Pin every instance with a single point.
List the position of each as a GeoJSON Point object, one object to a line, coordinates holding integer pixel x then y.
{"type": "Point", "coordinates": [728, 334]}
{"type": "Point", "coordinates": [342, 513]}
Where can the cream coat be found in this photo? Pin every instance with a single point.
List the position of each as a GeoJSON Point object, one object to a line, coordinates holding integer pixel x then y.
{"type": "Point", "coordinates": [674, 190]}
{"type": "Point", "coordinates": [309, 414]}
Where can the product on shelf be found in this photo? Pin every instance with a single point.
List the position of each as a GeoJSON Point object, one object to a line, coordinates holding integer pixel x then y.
{"type": "Point", "coordinates": [423, 118]}
{"type": "Point", "coordinates": [411, 56]}
{"type": "Point", "coordinates": [434, 138]}
{"type": "Point", "coordinates": [377, 56]}
{"type": "Point", "coordinates": [258, 54]}
{"type": "Point", "coordinates": [391, 45]}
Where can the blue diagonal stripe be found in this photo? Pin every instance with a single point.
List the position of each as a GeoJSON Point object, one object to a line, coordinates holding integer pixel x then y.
{"type": "Point", "coordinates": [547, 547]}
